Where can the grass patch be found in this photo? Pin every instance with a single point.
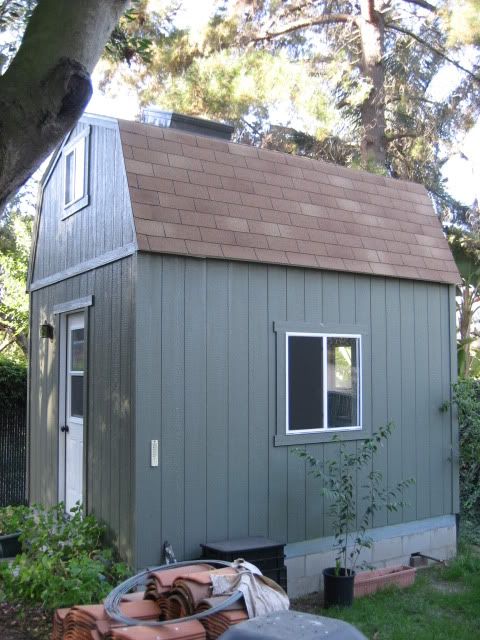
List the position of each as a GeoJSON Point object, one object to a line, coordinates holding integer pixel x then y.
{"type": "Point", "coordinates": [443, 603]}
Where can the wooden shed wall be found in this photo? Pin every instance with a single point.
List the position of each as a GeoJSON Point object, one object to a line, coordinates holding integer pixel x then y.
{"type": "Point", "coordinates": [104, 225]}
{"type": "Point", "coordinates": [108, 427]}
{"type": "Point", "coordinates": [205, 388]}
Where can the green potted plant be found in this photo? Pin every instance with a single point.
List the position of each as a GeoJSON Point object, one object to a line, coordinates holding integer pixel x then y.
{"type": "Point", "coordinates": [338, 479]}
{"type": "Point", "coordinates": [11, 519]}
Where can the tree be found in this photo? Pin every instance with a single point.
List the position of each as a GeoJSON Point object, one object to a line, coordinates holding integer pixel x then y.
{"type": "Point", "coordinates": [463, 21]}
{"type": "Point", "coordinates": [15, 239]}
{"type": "Point", "coordinates": [47, 84]}
{"type": "Point", "coordinates": [466, 250]}
{"type": "Point", "coordinates": [368, 67]}
{"type": "Point", "coordinates": [367, 33]}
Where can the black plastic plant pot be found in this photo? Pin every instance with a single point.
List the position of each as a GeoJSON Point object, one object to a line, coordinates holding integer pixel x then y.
{"type": "Point", "coordinates": [338, 587]}
{"type": "Point", "coordinates": [10, 545]}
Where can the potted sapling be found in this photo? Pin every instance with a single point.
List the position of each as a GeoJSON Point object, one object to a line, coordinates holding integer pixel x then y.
{"type": "Point", "coordinates": [350, 519]}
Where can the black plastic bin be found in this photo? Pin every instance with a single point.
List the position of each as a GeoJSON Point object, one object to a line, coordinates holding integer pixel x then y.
{"type": "Point", "coordinates": [267, 555]}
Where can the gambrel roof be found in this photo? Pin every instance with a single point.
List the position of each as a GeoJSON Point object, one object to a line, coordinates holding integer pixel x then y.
{"type": "Point", "coordinates": [204, 197]}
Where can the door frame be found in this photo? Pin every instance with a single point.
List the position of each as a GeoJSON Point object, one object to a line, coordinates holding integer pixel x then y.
{"type": "Point", "coordinates": [63, 311]}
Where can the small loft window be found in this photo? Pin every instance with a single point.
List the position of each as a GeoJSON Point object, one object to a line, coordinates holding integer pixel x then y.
{"type": "Point", "coordinates": [322, 382]}
{"type": "Point", "coordinates": [75, 156]}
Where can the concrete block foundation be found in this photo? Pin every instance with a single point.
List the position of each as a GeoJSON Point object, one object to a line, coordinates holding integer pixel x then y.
{"type": "Point", "coordinates": [392, 545]}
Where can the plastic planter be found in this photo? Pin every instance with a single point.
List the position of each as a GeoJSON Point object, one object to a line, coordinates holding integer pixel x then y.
{"type": "Point", "coordinates": [369, 582]}
{"type": "Point", "coordinates": [338, 587]}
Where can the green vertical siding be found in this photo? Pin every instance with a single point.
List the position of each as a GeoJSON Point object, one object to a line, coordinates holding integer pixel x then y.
{"type": "Point", "coordinates": [408, 398]}
{"type": "Point", "coordinates": [172, 416]}
{"type": "Point", "coordinates": [106, 223]}
{"type": "Point", "coordinates": [148, 406]}
{"type": "Point", "coordinates": [315, 504]}
{"type": "Point", "coordinates": [217, 400]}
{"type": "Point", "coordinates": [196, 407]}
{"type": "Point", "coordinates": [422, 422]}
{"type": "Point", "coordinates": [277, 459]}
{"type": "Point", "coordinates": [394, 388]}
{"type": "Point", "coordinates": [108, 425]}
{"type": "Point", "coordinates": [296, 481]}
{"type": "Point", "coordinates": [238, 401]}
{"type": "Point", "coordinates": [206, 385]}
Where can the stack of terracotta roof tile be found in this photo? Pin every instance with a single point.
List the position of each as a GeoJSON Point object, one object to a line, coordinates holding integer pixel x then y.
{"type": "Point", "coordinates": [189, 590]}
{"type": "Point", "coordinates": [59, 623]}
{"type": "Point", "coordinates": [80, 621]}
{"type": "Point", "coordinates": [171, 594]}
{"type": "Point", "coordinates": [160, 582]}
{"type": "Point", "coordinates": [192, 630]}
{"type": "Point", "coordinates": [220, 622]}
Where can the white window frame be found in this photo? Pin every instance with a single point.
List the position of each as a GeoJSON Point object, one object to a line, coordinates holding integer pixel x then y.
{"type": "Point", "coordinates": [78, 146]}
{"type": "Point", "coordinates": [325, 428]}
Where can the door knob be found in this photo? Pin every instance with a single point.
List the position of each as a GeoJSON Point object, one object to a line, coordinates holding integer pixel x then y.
{"type": "Point", "coordinates": [64, 429]}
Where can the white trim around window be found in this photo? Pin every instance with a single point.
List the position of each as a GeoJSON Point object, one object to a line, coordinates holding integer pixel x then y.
{"type": "Point", "coordinates": [356, 389]}
{"type": "Point", "coordinates": [75, 173]}
{"type": "Point", "coordinates": [344, 383]}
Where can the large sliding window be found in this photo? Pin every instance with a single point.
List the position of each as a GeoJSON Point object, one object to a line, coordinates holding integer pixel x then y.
{"type": "Point", "coordinates": [323, 382]}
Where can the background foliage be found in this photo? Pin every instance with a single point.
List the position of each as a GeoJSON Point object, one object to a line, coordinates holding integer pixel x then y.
{"type": "Point", "coordinates": [13, 383]}
{"type": "Point", "coordinates": [15, 241]}
{"type": "Point", "coordinates": [467, 400]}
{"type": "Point", "coordinates": [301, 66]}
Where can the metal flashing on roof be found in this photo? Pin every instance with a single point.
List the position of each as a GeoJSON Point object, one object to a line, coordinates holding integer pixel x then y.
{"type": "Point", "coordinates": [172, 120]}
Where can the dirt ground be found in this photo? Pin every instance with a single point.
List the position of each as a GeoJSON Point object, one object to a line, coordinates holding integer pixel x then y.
{"type": "Point", "coordinates": [24, 623]}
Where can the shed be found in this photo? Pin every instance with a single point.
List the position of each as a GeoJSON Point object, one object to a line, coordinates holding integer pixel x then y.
{"type": "Point", "coordinates": [199, 308]}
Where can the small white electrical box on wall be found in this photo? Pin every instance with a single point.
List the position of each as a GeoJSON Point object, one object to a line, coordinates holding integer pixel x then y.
{"type": "Point", "coordinates": [154, 453]}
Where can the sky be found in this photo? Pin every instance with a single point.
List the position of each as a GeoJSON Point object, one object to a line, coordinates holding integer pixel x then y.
{"type": "Point", "coordinates": [462, 171]}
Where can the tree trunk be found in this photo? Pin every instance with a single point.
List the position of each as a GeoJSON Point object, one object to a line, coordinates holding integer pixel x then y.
{"type": "Point", "coordinates": [372, 35]}
{"type": "Point", "coordinates": [465, 320]}
{"type": "Point", "coordinates": [47, 85]}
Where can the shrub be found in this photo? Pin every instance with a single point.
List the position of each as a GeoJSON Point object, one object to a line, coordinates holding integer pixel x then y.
{"type": "Point", "coordinates": [64, 560]}
{"type": "Point", "coordinates": [13, 384]}
{"type": "Point", "coordinates": [12, 519]}
{"type": "Point", "coordinates": [466, 395]}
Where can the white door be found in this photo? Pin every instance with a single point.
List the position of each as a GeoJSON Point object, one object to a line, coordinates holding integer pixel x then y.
{"type": "Point", "coordinates": [72, 429]}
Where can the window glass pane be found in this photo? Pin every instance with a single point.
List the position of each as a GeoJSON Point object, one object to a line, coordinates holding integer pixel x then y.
{"type": "Point", "coordinates": [79, 168]}
{"type": "Point", "coordinates": [342, 380]}
{"type": "Point", "coordinates": [69, 177]}
{"type": "Point", "coordinates": [305, 382]}
{"type": "Point", "coordinates": [77, 360]}
{"type": "Point", "coordinates": [76, 396]}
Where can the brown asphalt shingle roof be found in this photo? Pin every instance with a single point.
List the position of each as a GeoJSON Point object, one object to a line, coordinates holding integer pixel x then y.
{"type": "Point", "coordinates": [203, 197]}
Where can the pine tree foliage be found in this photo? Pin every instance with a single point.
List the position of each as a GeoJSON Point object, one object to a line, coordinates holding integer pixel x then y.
{"type": "Point", "coordinates": [309, 68]}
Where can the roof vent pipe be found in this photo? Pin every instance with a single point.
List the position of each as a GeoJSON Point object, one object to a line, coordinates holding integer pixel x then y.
{"type": "Point", "coordinates": [172, 120]}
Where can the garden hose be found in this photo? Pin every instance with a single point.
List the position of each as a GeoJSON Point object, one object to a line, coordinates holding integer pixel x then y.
{"type": "Point", "coordinates": [112, 601]}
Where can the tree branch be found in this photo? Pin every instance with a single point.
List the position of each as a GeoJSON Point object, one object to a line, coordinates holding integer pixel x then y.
{"type": "Point", "coordinates": [5, 345]}
{"type": "Point", "coordinates": [390, 137]}
{"type": "Point", "coordinates": [47, 85]}
{"type": "Point", "coordinates": [422, 4]}
{"type": "Point", "coordinates": [304, 24]}
{"type": "Point", "coordinates": [433, 49]}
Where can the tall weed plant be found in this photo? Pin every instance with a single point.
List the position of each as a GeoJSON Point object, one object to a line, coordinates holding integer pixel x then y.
{"type": "Point", "coordinates": [64, 560]}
